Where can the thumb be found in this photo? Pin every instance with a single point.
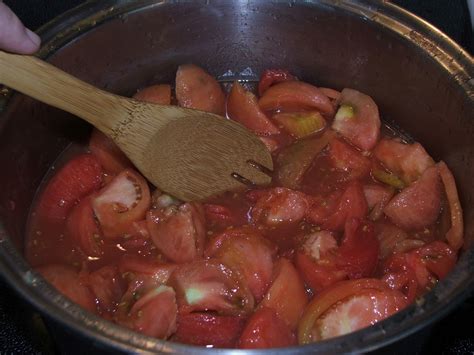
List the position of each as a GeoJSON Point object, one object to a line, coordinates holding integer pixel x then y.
{"type": "Point", "coordinates": [14, 37]}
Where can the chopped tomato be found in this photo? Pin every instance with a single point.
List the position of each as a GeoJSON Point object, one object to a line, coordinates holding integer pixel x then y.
{"type": "Point", "coordinates": [121, 202]}
{"type": "Point", "coordinates": [198, 90]}
{"type": "Point", "coordinates": [359, 250]}
{"type": "Point", "coordinates": [270, 77]}
{"type": "Point", "coordinates": [348, 159]}
{"type": "Point", "coordinates": [346, 307]}
{"type": "Point", "coordinates": [210, 330]}
{"type": "Point", "coordinates": [266, 330]}
{"type": "Point", "coordinates": [153, 314]}
{"type": "Point", "coordinates": [456, 233]}
{"type": "Point", "coordinates": [145, 272]}
{"type": "Point", "coordinates": [389, 237]}
{"type": "Point", "coordinates": [271, 144]}
{"type": "Point", "coordinates": [75, 180]}
{"type": "Point", "coordinates": [156, 94]}
{"type": "Point", "coordinates": [295, 96]}
{"type": "Point", "coordinates": [209, 285]}
{"type": "Point", "coordinates": [351, 204]}
{"type": "Point", "coordinates": [178, 232]}
{"type": "Point", "coordinates": [287, 294]}
{"type": "Point", "coordinates": [67, 281]}
{"type": "Point", "coordinates": [242, 107]}
{"type": "Point", "coordinates": [280, 205]}
{"type": "Point", "coordinates": [331, 93]}
{"type": "Point", "coordinates": [358, 119]}
{"type": "Point", "coordinates": [417, 206]}
{"type": "Point", "coordinates": [218, 215]}
{"type": "Point", "coordinates": [82, 227]}
{"type": "Point", "coordinates": [409, 161]}
{"type": "Point", "coordinates": [108, 153]}
{"type": "Point", "coordinates": [247, 252]}
{"type": "Point", "coordinates": [438, 258]}
{"type": "Point", "coordinates": [295, 159]}
{"type": "Point", "coordinates": [108, 287]}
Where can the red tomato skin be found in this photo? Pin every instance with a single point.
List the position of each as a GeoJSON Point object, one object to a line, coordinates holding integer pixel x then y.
{"type": "Point", "coordinates": [270, 77]}
{"type": "Point", "coordinates": [121, 202]}
{"type": "Point", "coordinates": [351, 204]}
{"type": "Point", "coordinates": [75, 180]}
{"type": "Point", "coordinates": [82, 227]}
{"type": "Point", "coordinates": [207, 329]}
{"type": "Point", "coordinates": [295, 96]}
{"type": "Point", "coordinates": [112, 159]}
{"type": "Point", "coordinates": [287, 294]}
{"type": "Point", "coordinates": [155, 94]}
{"type": "Point", "coordinates": [70, 283]}
{"type": "Point", "coordinates": [242, 106]}
{"type": "Point", "coordinates": [359, 250]}
{"type": "Point", "coordinates": [198, 90]}
{"type": "Point", "coordinates": [265, 330]}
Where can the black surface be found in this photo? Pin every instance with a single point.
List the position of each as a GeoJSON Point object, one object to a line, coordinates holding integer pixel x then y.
{"type": "Point", "coordinates": [22, 330]}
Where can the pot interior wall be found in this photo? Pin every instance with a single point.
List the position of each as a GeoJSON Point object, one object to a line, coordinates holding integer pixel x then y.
{"type": "Point", "coordinates": [239, 40]}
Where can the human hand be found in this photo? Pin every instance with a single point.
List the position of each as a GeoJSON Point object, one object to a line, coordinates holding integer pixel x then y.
{"type": "Point", "coordinates": [14, 37]}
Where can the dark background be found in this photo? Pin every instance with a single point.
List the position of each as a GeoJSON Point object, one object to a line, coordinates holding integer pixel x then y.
{"type": "Point", "coordinates": [22, 330]}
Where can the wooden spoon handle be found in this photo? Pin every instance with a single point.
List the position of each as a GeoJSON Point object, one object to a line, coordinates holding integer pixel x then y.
{"type": "Point", "coordinates": [48, 84]}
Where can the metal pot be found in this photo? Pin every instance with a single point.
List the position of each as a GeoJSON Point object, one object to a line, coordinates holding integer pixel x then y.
{"type": "Point", "coordinates": [420, 79]}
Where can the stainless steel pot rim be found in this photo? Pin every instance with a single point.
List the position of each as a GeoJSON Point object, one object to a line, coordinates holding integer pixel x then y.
{"type": "Point", "coordinates": [434, 305]}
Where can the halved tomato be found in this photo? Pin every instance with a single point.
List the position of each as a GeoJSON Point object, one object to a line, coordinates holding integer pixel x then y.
{"type": "Point", "coordinates": [178, 232]}
{"type": "Point", "coordinates": [419, 205]}
{"type": "Point", "coordinates": [358, 119]}
{"type": "Point", "coordinates": [198, 90]}
{"type": "Point", "coordinates": [121, 202]}
{"type": "Point", "coordinates": [265, 330]}
{"type": "Point", "coordinates": [108, 153]}
{"type": "Point", "coordinates": [245, 251]}
{"type": "Point", "coordinates": [295, 96]}
{"type": "Point", "coordinates": [346, 307]}
{"type": "Point", "coordinates": [69, 282]}
{"type": "Point", "coordinates": [156, 94]}
{"type": "Point", "coordinates": [287, 294]}
{"type": "Point", "coordinates": [242, 106]}
{"type": "Point", "coordinates": [209, 285]}
{"type": "Point", "coordinates": [271, 77]}
{"type": "Point", "coordinates": [210, 330]}
{"type": "Point", "coordinates": [75, 180]}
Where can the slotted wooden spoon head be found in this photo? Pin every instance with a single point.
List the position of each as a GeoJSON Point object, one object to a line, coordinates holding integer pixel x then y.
{"type": "Point", "coordinates": [186, 153]}
{"type": "Point", "coordinates": [192, 154]}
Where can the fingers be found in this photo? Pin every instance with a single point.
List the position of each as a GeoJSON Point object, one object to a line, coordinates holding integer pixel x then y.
{"type": "Point", "coordinates": [14, 37]}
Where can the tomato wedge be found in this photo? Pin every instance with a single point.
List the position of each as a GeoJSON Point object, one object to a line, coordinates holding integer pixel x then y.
{"type": "Point", "coordinates": [156, 94]}
{"type": "Point", "coordinates": [82, 227]}
{"type": "Point", "coordinates": [108, 287]}
{"type": "Point", "coordinates": [271, 77]}
{"type": "Point", "coordinates": [344, 157]}
{"type": "Point", "coordinates": [121, 202]}
{"type": "Point", "coordinates": [242, 107]}
{"type": "Point", "coordinates": [209, 285]}
{"type": "Point", "coordinates": [287, 294]}
{"type": "Point", "coordinates": [210, 330]}
{"type": "Point", "coordinates": [67, 281]}
{"type": "Point", "coordinates": [197, 89]}
{"type": "Point", "coordinates": [75, 180]}
{"type": "Point", "coordinates": [108, 154]}
{"type": "Point", "coordinates": [348, 306]}
{"type": "Point", "coordinates": [178, 232]}
{"type": "Point", "coordinates": [358, 119]}
{"type": "Point", "coordinates": [295, 96]}
{"type": "Point", "coordinates": [266, 330]}
{"type": "Point", "coordinates": [245, 251]}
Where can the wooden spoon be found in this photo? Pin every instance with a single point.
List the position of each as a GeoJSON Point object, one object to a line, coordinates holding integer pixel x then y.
{"type": "Point", "coordinates": [187, 153]}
